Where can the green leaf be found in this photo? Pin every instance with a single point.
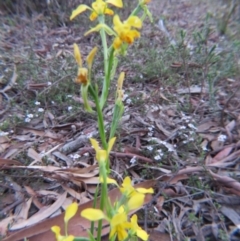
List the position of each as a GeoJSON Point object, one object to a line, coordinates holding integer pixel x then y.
{"type": "Point", "coordinates": [117, 114]}
{"type": "Point", "coordinates": [84, 93]}
{"type": "Point", "coordinates": [81, 239]}
{"type": "Point", "coordinates": [100, 26]}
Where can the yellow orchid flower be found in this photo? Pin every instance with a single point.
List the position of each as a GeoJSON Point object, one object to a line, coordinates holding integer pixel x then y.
{"type": "Point", "coordinates": [82, 77]}
{"type": "Point", "coordinates": [136, 195]}
{"type": "Point", "coordinates": [57, 231]}
{"type": "Point", "coordinates": [128, 189]}
{"type": "Point", "coordinates": [99, 7]}
{"type": "Point", "coordinates": [84, 74]}
{"type": "Point", "coordinates": [59, 237]}
{"type": "Point", "coordinates": [102, 155]}
{"type": "Point", "coordinates": [69, 213]}
{"type": "Point", "coordinates": [124, 31]}
{"type": "Point", "coordinates": [119, 225]}
{"type": "Point", "coordinates": [138, 230]}
{"type": "Point", "coordinates": [118, 222]}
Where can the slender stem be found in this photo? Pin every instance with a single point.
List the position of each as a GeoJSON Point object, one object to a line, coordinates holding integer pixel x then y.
{"type": "Point", "coordinates": [94, 206]}
{"type": "Point", "coordinates": [66, 227]}
{"type": "Point", "coordinates": [136, 10]}
{"type": "Point", "coordinates": [104, 199]}
{"type": "Point", "coordinates": [105, 55]}
{"type": "Point", "coordinates": [100, 118]}
{"type": "Point", "coordinates": [100, 124]}
{"type": "Point", "coordinates": [111, 63]}
{"type": "Point", "coordinates": [99, 232]}
{"type": "Point", "coordinates": [81, 239]}
{"type": "Point", "coordinates": [103, 173]}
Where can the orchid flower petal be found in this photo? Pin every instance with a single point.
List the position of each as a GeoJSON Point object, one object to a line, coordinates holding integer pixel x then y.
{"type": "Point", "coordinates": [70, 211]}
{"type": "Point", "coordinates": [81, 8]}
{"type": "Point", "coordinates": [110, 144]}
{"type": "Point", "coordinates": [91, 56]}
{"type": "Point", "coordinates": [77, 54]}
{"type": "Point", "coordinates": [116, 3]}
{"type": "Point", "coordinates": [92, 214]}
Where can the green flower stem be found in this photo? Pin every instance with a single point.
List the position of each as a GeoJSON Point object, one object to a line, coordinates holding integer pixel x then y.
{"type": "Point", "coordinates": [117, 115]}
{"type": "Point", "coordinates": [94, 206]}
{"type": "Point", "coordinates": [66, 228]}
{"type": "Point", "coordinates": [104, 202]}
{"type": "Point", "coordinates": [111, 63]}
{"type": "Point", "coordinates": [100, 123]}
{"type": "Point", "coordinates": [123, 200]}
{"type": "Point", "coordinates": [136, 10]}
{"type": "Point", "coordinates": [100, 117]}
{"type": "Point", "coordinates": [105, 55]}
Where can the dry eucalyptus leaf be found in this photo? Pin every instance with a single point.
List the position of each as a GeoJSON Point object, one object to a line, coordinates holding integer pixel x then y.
{"type": "Point", "coordinates": [41, 215]}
